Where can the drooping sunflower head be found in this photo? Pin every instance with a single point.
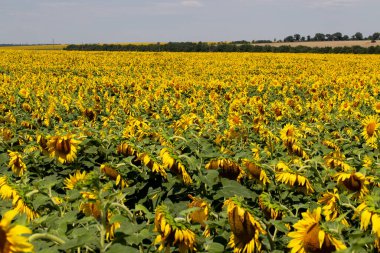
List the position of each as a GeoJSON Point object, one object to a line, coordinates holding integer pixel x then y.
{"type": "Point", "coordinates": [12, 237]}
{"type": "Point", "coordinates": [113, 174]}
{"type": "Point", "coordinates": [354, 182]}
{"type": "Point", "coordinates": [172, 232]}
{"type": "Point", "coordinates": [200, 215]}
{"type": "Point", "coordinates": [245, 228]}
{"type": "Point", "coordinates": [63, 148]}
{"type": "Point", "coordinates": [309, 236]}
{"type": "Point", "coordinates": [16, 164]}
{"type": "Point", "coordinates": [271, 209]}
{"type": "Point", "coordinates": [256, 172]}
{"type": "Point", "coordinates": [291, 178]}
{"type": "Point", "coordinates": [226, 168]}
{"type": "Point", "coordinates": [175, 166]}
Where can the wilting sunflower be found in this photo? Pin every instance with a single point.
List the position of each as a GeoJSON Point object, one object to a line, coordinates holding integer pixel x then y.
{"type": "Point", "coordinates": [11, 235]}
{"type": "Point", "coordinates": [256, 172]}
{"type": "Point", "coordinates": [245, 228]}
{"type": "Point", "coordinates": [354, 182]}
{"type": "Point", "coordinates": [152, 164]}
{"type": "Point", "coordinates": [73, 180]}
{"type": "Point", "coordinates": [309, 236]}
{"type": "Point", "coordinates": [16, 164]}
{"type": "Point", "coordinates": [369, 212]}
{"type": "Point", "coordinates": [331, 208]}
{"type": "Point", "coordinates": [226, 168]}
{"type": "Point", "coordinates": [172, 232]}
{"type": "Point", "coordinates": [294, 179]}
{"type": "Point", "coordinates": [175, 166]}
{"type": "Point", "coordinates": [370, 131]}
{"type": "Point", "coordinates": [64, 148]}
{"type": "Point", "coordinates": [114, 175]}
{"type": "Point", "coordinates": [336, 159]}
{"type": "Point", "coordinates": [201, 215]}
{"type": "Point", "coordinates": [271, 210]}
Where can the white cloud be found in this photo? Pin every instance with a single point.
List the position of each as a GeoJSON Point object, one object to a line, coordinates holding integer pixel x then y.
{"type": "Point", "coordinates": [191, 3]}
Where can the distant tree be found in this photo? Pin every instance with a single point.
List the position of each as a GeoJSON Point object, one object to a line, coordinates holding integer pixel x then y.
{"type": "Point", "coordinates": [308, 37]}
{"type": "Point", "coordinates": [297, 37]}
{"type": "Point", "coordinates": [345, 37]}
{"type": "Point", "coordinates": [358, 36]}
{"type": "Point", "coordinates": [319, 37]}
{"type": "Point", "coordinates": [303, 38]}
{"type": "Point", "coordinates": [376, 36]}
{"type": "Point", "coordinates": [289, 39]}
{"type": "Point", "coordinates": [337, 36]}
{"type": "Point", "coordinates": [329, 37]}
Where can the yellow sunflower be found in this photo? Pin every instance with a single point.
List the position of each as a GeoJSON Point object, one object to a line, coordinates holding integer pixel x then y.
{"type": "Point", "coordinates": [172, 232]}
{"type": "Point", "coordinates": [226, 168]}
{"type": "Point", "coordinates": [245, 228]}
{"type": "Point", "coordinates": [11, 235]}
{"type": "Point", "coordinates": [376, 107]}
{"type": "Point", "coordinates": [73, 180]}
{"type": "Point", "coordinates": [16, 164]}
{"type": "Point", "coordinates": [293, 179]}
{"type": "Point", "coordinates": [114, 175]}
{"type": "Point", "coordinates": [354, 182]}
{"type": "Point", "coordinates": [175, 166]}
{"type": "Point", "coordinates": [309, 237]}
{"type": "Point", "coordinates": [256, 172]}
{"type": "Point", "coordinates": [271, 210]}
{"type": "Point", "coordinates": [370, 131]}
{"type": "Point", "coordinates": [331, 208]}
{"type": "Point", "coordinates": [64, 148]}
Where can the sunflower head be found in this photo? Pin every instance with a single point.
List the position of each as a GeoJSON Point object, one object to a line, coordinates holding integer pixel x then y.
{"type": "Point", "coordinates": [310, 237]}
{"type": "Point", "coordinates": [16, 164]}
{"type": "Point", "coordinates": [256, 172]}
{"type": "Point", "coordinates": [63, 148]}
{"type": "Point", "coordinates": [292, 179]}
{"type": "Point", "coordinates": [354, 182]}
{"type": "Point", "coordinates": [226, 168]}
{"type": "Point", "coordinates": [113, 174]}
{"type": "Point", "coordinates": [200, 215]}
{"type": "Point", "coordinates": [271, 210]}
{"type": "Point", "coordinates": [370, 130]}
{"type": "Point", "coordinates": [12, 237]}
{"type": "Point", "coordinates": [244, 226]}
{"type": "Point", "coordinates": [74, 179]}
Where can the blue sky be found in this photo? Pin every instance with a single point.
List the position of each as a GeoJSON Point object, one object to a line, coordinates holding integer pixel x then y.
{"type": "Point", "coordinates": [92, 21]}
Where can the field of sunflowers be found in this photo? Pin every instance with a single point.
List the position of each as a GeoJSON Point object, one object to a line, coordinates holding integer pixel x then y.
{"type": "Point", "coordinates": [189, 152]}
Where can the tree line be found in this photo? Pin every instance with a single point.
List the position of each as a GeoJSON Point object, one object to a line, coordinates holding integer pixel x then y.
{"type": "Point", "coordinates": [222, 47]}
{"type": "Point", "coordinates": [338, 36]}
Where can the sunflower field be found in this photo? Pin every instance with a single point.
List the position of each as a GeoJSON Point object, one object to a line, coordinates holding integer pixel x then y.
{"type": "Point", "coordinates": [189, 152]}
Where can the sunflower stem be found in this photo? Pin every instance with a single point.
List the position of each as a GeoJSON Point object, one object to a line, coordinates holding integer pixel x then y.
{"type": "Point", "coordinates": [47, 236]}
{"type": "Point", "coordinates": [130, 214]}
{"type": "Point", "coordinates": [270, 239]}
{"type": "Point", "coordinates": [31, 193]}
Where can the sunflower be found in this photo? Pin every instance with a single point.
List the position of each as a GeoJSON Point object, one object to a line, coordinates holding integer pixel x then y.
{"type": "Point", "coordinates": [376, 107]}
{"type": "Point", "coordinates": [226, 168]}
{"type": "Point", "coordinates": [175, 166]}
{"type": "Point", "coordinates": [370, 131]}
{"type": "Point", "coordinates": [114, 175]}
{"type": "Point", "coordinates": [369, 212]}
{"type": "Point", "coordinates": [331, 208]}
{"type": "Point", "coordinates": [11, 235]}
{"type": "Point", "coordinates": [64, 148]}
{"type": "Point", "coordinates": [151, 164]}
{"type": "Point", "coordinates": [309, 237]}
{"type": "Point", "coordinates": [16, 164]}
{"type": "Point", "coordinates": [73, 180]}
{"type": "Point", "coordinates": [293, 179]}
{"type": "Point", "coordinates": [271, 210]}
{"type": "Point", "coordinates": [245, 228]}
{"type": "Point", "coordinates": [172, 232]}
{"type": "Point", "coordinates": [200, 215]}
{"type": "Point", "coordinates": [256, 172]}
{"type": "Point", "coordinates": [289, 135]}
{"type": "Point", "coordinates": [354, 182]}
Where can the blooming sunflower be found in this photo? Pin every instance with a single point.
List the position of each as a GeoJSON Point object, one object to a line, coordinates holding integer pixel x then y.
{"type": "Point", "coordinates": [172, 232]}
{"type": "Point", "coordinates": [11, 235]}
{"type": "Point", "coordinates": [293, 179]}
{"type": "Point", "coordinates": [354, 182]}
{"type": "Point", "coordinates": [245, 228]}
{"type": "Point", "coordinates": [331, 208]}
{"type": "Point", "coordinates": [16, 164]}
{"type": "Point", "coordinates": [73, 180]}
{"type": "Point", "coordinates": [370, 131]}
{"type": "Point", "coordinates": [64, 148]}
{"type": "Point", "coordinates": [376, 107]}
{"type": "Point", "coordinates": [309, 237]}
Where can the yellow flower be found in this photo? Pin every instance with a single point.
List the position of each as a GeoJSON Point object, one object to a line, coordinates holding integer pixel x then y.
{"type": "Point", "coordinates": [16, 164]}
{"type": "Point", "coordinates": [354, 182]}
{"type": "Point", "coordinates": [172, 232]}
{"type": "Point", "coordinates": [309, 237]}
{"type": "Point", "coordinates": [114, 175]}
{"type": "Point", "coordinates": [330, 208]}
{"type": "Point", "coordinates": [64, 148]}
{"type": "Point", "coordinates": [200, 215]}
{"type": "Point", "coordinates": [370, 131]}
{"type": "Point", "coordinates": [245, 228]}
{"type": "Point", "coordinates": [293, 179]}
{"type": "Point", "coordinates": [376, 107]}
{"type": "Point", "coordinates": [73, 180]}
{"type": "Point", "coordinates": [226, 168]}
{"type": "Point", "coordinates": [256, 172]}
{"type": "Point", "coordinates": [11, 235]}
{"type": "Point", "coordinates": [175, 166]}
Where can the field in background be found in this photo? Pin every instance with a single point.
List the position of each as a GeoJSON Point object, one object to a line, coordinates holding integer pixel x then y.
{"type": "Point", "coordinates": [35, 47]}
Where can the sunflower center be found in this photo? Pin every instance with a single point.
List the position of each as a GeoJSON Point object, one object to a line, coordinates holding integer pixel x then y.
{"type": "Point", "coordinates": [3, 240]}
{"type": "Point", "coordinates": [254, 170]}
{"type": "Point", "coordinates": [353, 183]}
{"type": "Point", "coordinates": [371, 127]}
{"type": "Point", "coordinates": [311, 241]}
{"type": "Point", "coordinates": [378, 106]}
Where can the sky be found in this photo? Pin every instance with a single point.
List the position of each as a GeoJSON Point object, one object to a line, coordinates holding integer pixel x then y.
{"type": "Point", "coordinates": [112, 21]}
